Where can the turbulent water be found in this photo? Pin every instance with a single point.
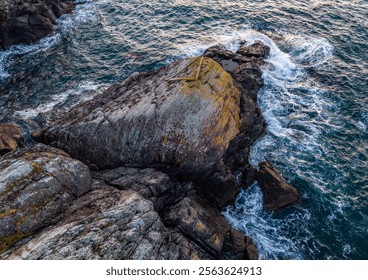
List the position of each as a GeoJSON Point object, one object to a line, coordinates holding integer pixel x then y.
{"type": "Point", "coordinates": [315, 99]}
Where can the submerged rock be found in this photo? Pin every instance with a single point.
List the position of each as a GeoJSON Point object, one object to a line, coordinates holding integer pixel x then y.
{"type": "Point", "coordinates": [277, 192]}
{"type": "Point", "coordinates": [37, 185]}
{"type": "Point", "coordinates": [10, 135]}
{"type": "Point", "coordinates": [26, 21]}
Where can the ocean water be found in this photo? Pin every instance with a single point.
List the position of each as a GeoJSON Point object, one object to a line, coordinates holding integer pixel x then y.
{"type": "Point", "coordinates": [315, 99]}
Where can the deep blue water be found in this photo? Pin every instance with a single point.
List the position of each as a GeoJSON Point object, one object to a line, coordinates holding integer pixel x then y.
{"type": "Point", "coordinates": [315, 99]}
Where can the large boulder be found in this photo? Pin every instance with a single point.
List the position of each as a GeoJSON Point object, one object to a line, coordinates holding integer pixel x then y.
{"type": "Point", "coordinates": [26, 21]}
{"type": "Point", "coordinates": [277, 192]}
{"type": "Point", "coordinates": [183, 127]}
{"type": "Point", "coordinates": [37, 185]}
{"type": "Point", "coordinates": [10, 135]}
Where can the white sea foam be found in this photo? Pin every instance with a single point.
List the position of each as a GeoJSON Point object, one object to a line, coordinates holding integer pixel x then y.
{"type": "Point", "coordinates": [309, 51]}
{"type": "Point", "coordinates": [267, 231]}
{"type": "Point", "coordinates": [83, 92]}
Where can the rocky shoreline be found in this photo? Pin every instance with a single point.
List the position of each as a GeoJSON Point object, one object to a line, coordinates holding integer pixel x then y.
{"type": "Point", "coordinates": [27, 21]}
{"type": "Point", "coordinates": [143, 170]}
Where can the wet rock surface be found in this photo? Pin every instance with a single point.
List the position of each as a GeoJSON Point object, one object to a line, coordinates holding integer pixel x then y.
{"type": "Point", "coordinates": [10, 135]}
{"type": "Point", "coordinates": [277, 192]}
{"type": "Point", "coordinates": [27, 21]}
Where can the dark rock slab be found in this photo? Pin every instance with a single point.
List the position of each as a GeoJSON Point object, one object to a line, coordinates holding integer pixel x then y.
{"type": "Point", "coordinates": [277, 192]}
{"type": "Point", "coordinates": [255, 50]}
{"type": "Point", "coordinates": [209, 229]}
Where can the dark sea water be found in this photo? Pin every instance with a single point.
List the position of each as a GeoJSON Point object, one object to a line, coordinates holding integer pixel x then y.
{"type": "Point", "coordinates": [315, 99]}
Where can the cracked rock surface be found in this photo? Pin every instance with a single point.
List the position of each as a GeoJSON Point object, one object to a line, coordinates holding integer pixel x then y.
{"type": "Point", "coordinates": [37, 186]}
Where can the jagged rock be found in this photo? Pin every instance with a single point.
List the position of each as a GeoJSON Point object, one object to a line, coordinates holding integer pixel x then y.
{"type": "Point", "coordinates": [26, 21]}
{"type": "Point", "coordinates": [37, 185]}
{"type": "Point", "coordinates": [152, 184]}
{"type": "Point", "coordinates": [10, 135]}
{"type": "Point", "coordinates": [277, 192]}
{"type": "Point", "coordinates": [244, 65]}
{"type": "Point", "coordinates": [257, 49]}
{"type": "Point", "coordinates": [246, 71]}
{"type": "Point", "coordinates": [182, 127]}
{"type": "Point", "coordinates": [249, 176]}
{"type": "Point", "coordinates": [207, 228]}
{"type": "Point", "coordinates": [107, 223]}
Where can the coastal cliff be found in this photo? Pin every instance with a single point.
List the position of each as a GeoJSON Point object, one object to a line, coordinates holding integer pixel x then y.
{"type": "Point", "coordinates": [143, 170]}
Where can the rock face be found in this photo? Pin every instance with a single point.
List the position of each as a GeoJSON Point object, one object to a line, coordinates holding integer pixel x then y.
{"type": "Point", "coordinates": [109, 224]}
{"type": "Point", "coordinates": [245, 70]}
{"type": "Point", "coordinates": [200, 129]}
{"type": "Point", "coordinates": [184, 127]}
{"type": "Point", "coordinates": [277, 193]}
{"type": "Point", "coordinates": [37, 185]}
{"type": "Point", "coordinates": [26, 21]}
{"type": "Point", "coordinates": [9, 138]}
{"type": "Point", "coordinates": [108, 219]}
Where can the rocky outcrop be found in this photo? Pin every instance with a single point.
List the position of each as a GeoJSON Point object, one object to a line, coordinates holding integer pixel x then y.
{"type": "Point", "coordinates": [182, 127]}
{"type": "Point", "coordinates": [183, 211]}
{"type": "Point", "coordinates": [164, 147]}
{"type": "Point", "coordinates": [109, 224]}
{"type": "Point", "coordinates": [198, 129]}
{"type": "Point", "coordinates": [53, 210]}
{"type": "Point", "coordinates": [10, 135]}
{"type": "Point", "coordinates": [27, 21]}
{"type": "Point", "coordinates": [37, 185]}
{"type": "Point", "coordinates": [277, 192]}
